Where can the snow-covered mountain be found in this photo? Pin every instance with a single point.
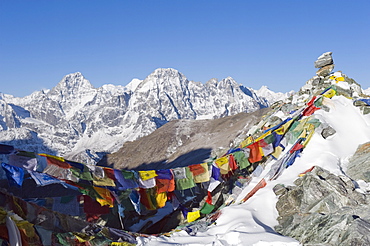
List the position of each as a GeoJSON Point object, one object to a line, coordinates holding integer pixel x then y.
{"type": "Point", "coordinates": [80, 122]}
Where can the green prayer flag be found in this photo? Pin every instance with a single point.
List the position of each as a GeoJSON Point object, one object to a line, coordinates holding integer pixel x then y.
{"type": "Point", "coordinates": [186, 183]}
{"type": "Point", "coordinates": [241, 159]}
{"type": "Point", "coordinates": [207, 208]}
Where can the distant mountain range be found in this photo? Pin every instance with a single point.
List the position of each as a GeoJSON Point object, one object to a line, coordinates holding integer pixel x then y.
{"type": "Point", "coordinates": [83, 123]}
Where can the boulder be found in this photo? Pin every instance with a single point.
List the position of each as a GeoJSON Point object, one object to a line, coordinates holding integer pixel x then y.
{"type": "Point", "coordinates": [326, 70]}
{"type": "Point", "coordinates": [323, 209]}
{"type": "Point", "coordinates": [324, 59]}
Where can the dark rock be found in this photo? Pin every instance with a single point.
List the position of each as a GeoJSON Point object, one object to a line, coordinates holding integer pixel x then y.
{"type": "Point", "coordinates": [327, 132]}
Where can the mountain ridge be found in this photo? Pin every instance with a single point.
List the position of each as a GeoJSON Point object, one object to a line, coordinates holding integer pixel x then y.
{"type": "Point", "coordinates": [76, 120]}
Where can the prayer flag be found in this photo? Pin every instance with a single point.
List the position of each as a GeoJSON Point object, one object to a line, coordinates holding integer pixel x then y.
{"type": "Point", "coordinates": [14, 174]}
{"type": "Point", "coordinates": [145, 175]}
{"type": "Point", "coordinates": [193, 216]}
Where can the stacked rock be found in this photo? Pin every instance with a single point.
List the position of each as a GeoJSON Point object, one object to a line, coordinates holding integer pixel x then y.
{"type": "Point", "coordinates": [325, 64]}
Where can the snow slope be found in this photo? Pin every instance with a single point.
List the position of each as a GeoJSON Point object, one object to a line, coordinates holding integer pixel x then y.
{"type": "Point", "coordinates": [252, 222]}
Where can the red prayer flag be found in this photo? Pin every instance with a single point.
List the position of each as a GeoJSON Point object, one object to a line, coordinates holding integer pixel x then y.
{"type": "Point", "coordinates": [260, 185]}
{"type": "Point", "coordinates": [255, 153]}
{"type": "Point", "coordinates": [165, 185]}
{"type": "Point", "coordinates": [309, 110]}
{"type": "Point", "coordinates": [232, 163]}
{"type": "Point", "coordinates": [296, 147]}
{"type": "Point", "coordinates": [209, 198]}
{"type": "Point", "coordinates": [196, 169]}
{"type": "Point", "coordinates": [109, 172]}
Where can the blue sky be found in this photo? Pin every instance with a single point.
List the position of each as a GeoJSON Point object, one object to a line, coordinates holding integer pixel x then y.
{"type": "Point", "coordinates": [271, 43]}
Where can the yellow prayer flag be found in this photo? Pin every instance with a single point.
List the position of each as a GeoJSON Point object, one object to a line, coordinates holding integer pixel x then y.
{"type": "Point", "coordinates": [145, 175]}
{"type": "Point", "coordinates": [222, 161]}
{"type": "Point", "coordinates": [339, 79]}
{"type": "Point", "coordinates": [303, 134]}
{"type": "Point", "coordinates": [193, 216]}
{"type": "Point", "coordinates": [330, 93]}
{"type": "Point", "coordinates": [246, 142]}
{"type": "Point", "coordinates": [161, 199]}
{"type": "Point", "coordinates": [106, 197]}
{"type": "Point", "coordinates": [106, 181]}
{"type": "Point", "coordinates": [277, 152]}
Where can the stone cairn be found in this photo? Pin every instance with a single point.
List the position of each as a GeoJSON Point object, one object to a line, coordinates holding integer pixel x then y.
{"type": "Point", "coordinates": [325, 64]}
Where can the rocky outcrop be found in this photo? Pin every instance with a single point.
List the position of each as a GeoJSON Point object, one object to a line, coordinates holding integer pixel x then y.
{"type": "Point", "coordinates": [323, 209]}
{"type": "Point", "coordinates": [359, 164]}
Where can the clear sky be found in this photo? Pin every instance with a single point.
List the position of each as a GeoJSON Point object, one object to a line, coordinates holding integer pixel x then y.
{"type": "Point", "coordinates": [272, 43]}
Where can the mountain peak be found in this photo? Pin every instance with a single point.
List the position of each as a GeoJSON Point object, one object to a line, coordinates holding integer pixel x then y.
{"type": "Point", "coordinates": [168, 72]}
{"type": "Point", "coordinates": [72, 84]}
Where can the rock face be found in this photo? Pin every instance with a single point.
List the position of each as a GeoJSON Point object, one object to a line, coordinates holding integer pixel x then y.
{"type": "Point", "coordinates": [323, 209]}
{"type": "Point", "coordinates": [83, 123]}
{"type": "Point", "coordinates": [359, 164]}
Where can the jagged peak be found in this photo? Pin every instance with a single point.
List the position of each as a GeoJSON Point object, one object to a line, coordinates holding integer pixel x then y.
{"type": "Point", "coordinates": [72, 82]}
